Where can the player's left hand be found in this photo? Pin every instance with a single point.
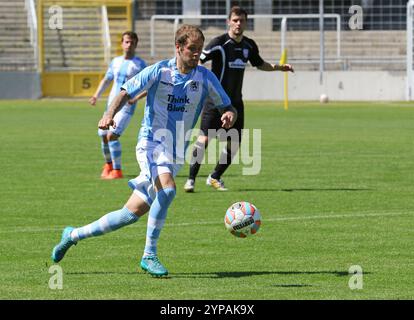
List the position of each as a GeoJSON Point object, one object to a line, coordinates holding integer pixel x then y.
{"type": "Point", "coordinates": [286, 67]}
{"type": "Point", "coordinates": [106, 122]}
{"type": "Point", "coordinates": [228, 119]}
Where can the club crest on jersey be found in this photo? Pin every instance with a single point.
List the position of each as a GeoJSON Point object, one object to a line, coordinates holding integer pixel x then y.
{"type": "Point", "coordinates": [194, 86]}
{"type": "Point", "coordinates": [246, 53]}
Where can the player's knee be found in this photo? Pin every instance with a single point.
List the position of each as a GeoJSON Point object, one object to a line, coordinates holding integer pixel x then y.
{"type": "Point", "coordinates": [112, 136]}
{"type": "Point", "coordinates": [104, 139]}
{"type": "Point", "coordinates": [137, 205]}
{"type": "Point", "coordinates": [167, 195]}
{"type": "Point", "coordinates": [103, 134]}
{"type": "Point", "coordinates": [232, 147]}
{"type": "Point", "coordinates": [202, 141]}
{"type": "Point", "coordinates": [198, 151]}
{"type": "Point", "coordinates": [140, 209]}
{"type": "Point", "coordinates": [170, 192]}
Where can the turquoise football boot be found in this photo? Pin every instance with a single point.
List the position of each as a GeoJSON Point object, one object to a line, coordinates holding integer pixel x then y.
{"type": "Point", "coordinates": [153, 266]}
{"type": "Point", "coordinates": [65, 243]}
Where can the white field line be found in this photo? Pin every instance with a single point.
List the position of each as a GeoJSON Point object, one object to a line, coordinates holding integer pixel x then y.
{"type": "Point", "coordinates": [185, 224]}
{"type": "Point", "coordinates": [319, 217]}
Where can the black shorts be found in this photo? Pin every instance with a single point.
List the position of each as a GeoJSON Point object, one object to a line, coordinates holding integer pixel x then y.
{"type": "Point", "coordinates": [210, 119]}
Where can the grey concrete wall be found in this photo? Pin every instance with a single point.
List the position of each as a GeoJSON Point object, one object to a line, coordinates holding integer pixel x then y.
{"type": "Point", "coordinates": [262, 24]}
{"type": "Point", "coordinates": [20, 85]}
{"type": "Point", "coordinates": [338, 85]}
{"type": "Point", "coordinates": [260, 85]}
{"type": "Point", "coordinates": [192, 7]}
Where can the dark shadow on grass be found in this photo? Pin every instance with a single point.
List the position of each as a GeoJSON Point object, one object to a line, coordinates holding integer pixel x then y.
{"type": "Point", "coordinates": [181, 174]}
{"type": "Point", "coordinates": [220, 275]}
{"type": "Point", "coordinates": [306, 189]}
{"type": "Point", "coordinates": [291, 285]}
{"type": "Point", "coordinates": [237, 274]}
{"type": "Point", "coordinates": [327, 189]}
{"type": "Point", "coordinates": [106, 273]}
{"type": "Point", "coordinates": [98, 273]}
{"type": "Point", "coordinates": [204, 175]}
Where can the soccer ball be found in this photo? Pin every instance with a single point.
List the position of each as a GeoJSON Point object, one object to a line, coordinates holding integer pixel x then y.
{"type": "Point", "coordinates": [323, 98]}
{"type": "Point", "coordinates": [242, 219]}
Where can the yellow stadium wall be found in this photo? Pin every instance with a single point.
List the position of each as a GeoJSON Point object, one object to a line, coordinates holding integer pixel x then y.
{"type": "Point", "coordinates": [73, 84]}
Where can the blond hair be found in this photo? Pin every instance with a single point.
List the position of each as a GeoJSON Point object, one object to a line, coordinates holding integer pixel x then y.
{"type": "Point", "coordinates": [187, 31]}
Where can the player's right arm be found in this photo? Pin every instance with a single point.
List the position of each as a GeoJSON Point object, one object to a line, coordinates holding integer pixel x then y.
{"type": "Point", "coordinates": [105, 82]}
{"type": "Point", "coordinates": [211, 51]}
{"type": "Point", "coordinates": [101, 88]}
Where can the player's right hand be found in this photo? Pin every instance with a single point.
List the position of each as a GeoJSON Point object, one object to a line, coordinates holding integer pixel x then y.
{"type": "Point", "coordinates": [106, 122]}
{"type": "Point", "coordinates": [92, 101]}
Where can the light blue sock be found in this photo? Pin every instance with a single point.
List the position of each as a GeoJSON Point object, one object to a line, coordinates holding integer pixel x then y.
{"type": "Point", "coordinates": [115, 149]}
{"type": "Point", "coordinates": [106, 153]}
{"type": "Point", "coordinates": [109, 222]}
{"type": "Point", "coordinates": [156, 219]}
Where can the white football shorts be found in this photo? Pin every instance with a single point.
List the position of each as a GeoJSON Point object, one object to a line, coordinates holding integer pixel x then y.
{"type": "Point", "coordinates": [153, 160]}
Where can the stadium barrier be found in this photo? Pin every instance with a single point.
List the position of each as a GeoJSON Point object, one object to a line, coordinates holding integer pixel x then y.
{"type": "Point", "coordinates": [178, 18]}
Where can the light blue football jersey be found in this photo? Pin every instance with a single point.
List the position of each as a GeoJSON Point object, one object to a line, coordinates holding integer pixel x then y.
{"type": "Point", "coordinates": [120, 71]}
{"type": "Point", "coordinates": [174, 101]}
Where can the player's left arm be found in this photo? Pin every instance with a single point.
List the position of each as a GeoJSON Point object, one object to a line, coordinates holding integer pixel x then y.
{"type": "Point", "coordinates": [257, 61]}
{"type": "Point", "coordinates": [266, 66]}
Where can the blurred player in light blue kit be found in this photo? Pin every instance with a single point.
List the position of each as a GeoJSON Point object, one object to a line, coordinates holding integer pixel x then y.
{"type": "Point", "coordinates": [120, 70]}
{"type": "Point", "coordinates": [177, 90]}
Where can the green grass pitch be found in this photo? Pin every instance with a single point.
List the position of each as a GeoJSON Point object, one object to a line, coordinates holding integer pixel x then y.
{"type": "Point", "coordinates": [336, 189]}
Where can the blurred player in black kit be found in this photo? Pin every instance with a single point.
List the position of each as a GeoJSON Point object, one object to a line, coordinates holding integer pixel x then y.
{"type": "Point", "coordinates": [229, 53]}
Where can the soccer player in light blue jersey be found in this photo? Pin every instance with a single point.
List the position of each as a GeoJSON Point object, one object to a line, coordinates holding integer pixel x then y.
{"type": "Point", "coordinates": [177, 90]}
{"type": "Point", "coordinates": [120, 70]}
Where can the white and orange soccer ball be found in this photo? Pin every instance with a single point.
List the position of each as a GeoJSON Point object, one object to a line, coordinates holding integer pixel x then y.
{"type": "Point", "coordinates": [242, 219]}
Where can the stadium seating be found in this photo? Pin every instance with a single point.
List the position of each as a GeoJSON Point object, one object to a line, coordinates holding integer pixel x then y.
{"type": "Point", "coordinates": [359, 50]}
{"type": "Point", "coordinates": [16, 50]}
{"type": "Point", "coordinates": [78, 46]}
